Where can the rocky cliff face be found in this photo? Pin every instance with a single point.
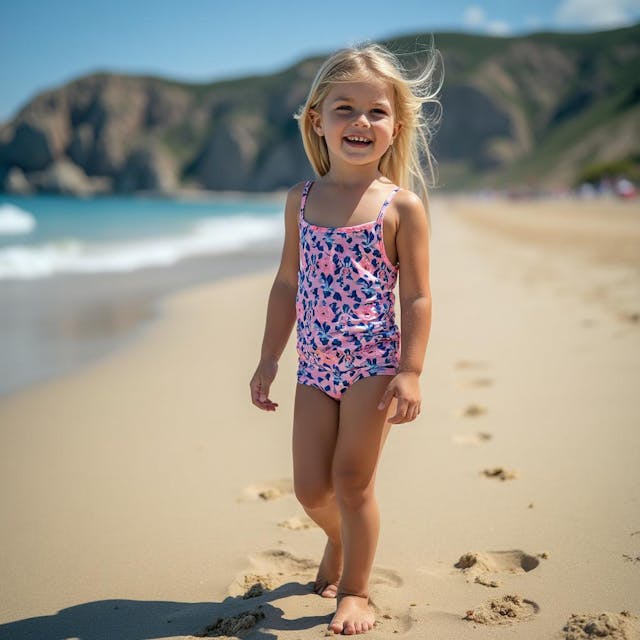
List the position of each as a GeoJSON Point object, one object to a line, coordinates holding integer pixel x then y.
{"type": "Point", "coordinates": [535, 109]}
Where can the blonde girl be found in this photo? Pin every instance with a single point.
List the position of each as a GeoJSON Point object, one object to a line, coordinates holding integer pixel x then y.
{"type": "Point", "coordinates": [349, 233]}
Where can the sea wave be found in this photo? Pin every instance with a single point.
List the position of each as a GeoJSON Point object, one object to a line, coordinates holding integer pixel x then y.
{"type": "Point", "coordinates": [15, 221]}
{"type": "Point", "coordinates": [222, 235]}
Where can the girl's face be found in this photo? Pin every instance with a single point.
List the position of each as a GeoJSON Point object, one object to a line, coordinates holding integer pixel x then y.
{"type": "Point", "coordinates": [357, 121]}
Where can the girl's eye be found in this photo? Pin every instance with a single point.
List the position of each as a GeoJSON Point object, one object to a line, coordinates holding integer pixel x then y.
{"type": "Point", "coordinates": [346, 108]}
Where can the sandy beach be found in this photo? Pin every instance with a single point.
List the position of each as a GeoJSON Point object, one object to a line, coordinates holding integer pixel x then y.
{"type": "Point", "coordinates": [143, 496]}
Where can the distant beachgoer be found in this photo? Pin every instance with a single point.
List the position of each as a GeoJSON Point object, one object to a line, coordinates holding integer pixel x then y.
{"type": "Point", "coordinates": [349, 233]}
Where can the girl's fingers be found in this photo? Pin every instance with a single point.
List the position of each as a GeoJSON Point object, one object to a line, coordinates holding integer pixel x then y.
{"type": "Point", "coordinates": [260, 396]}
{"type": "Point", "coordinates": [266, 405]}
{"type": "Point", "coordinates": [406, 412]}
{"type": "Point", "coordinates": [401, 411]}
{"type": "Point", "coordinates": [263, 391]}
{"type": "Point", "coordinates": [387, 396]}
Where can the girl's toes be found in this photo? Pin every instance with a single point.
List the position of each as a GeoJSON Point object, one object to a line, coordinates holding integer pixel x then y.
{"type": "Point", "coordinates": [336, 628]}
{"type": "Point", "coordinates": [349, 629]}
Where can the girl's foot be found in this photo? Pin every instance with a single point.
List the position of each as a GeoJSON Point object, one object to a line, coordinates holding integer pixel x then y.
{"type": "Point", "coordinates": [326, 583]}
{"type": "Point", "coordinates": [353, 615]}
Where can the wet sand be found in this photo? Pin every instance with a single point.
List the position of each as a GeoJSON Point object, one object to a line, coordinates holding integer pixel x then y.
{"type": "Point", "coordinates": [51, 326]}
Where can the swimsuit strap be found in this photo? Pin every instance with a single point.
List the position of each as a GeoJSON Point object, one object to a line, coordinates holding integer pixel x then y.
{"type": "Point", "coordinates": [386, 203]}
{"type": "Point", "coordinates": [303, 199]}
{"type": "Point", "coordinates": [309, 183]}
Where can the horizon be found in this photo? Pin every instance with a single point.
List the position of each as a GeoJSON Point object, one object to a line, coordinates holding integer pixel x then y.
{"type": "Point", "coordinates": [123, 39]}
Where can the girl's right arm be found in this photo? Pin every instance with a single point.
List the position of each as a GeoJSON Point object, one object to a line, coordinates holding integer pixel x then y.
{"type": "Point", "coordinates": [281, 309]}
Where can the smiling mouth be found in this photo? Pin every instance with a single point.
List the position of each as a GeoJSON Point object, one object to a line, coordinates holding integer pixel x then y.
{"type": "Point", "coordinates": [358, 141]}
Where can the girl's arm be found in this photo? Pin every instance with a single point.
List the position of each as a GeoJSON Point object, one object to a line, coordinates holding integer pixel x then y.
{"type": "Point", "coordinates": [281, 309]}
{"type": "Point", "coordinates": [412, 242]}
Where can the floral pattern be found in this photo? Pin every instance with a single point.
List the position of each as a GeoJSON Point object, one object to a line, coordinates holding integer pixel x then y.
{"type": "Point", "coordinates": [345, 324]}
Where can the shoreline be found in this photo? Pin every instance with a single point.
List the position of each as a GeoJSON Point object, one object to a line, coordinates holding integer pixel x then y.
{"type": "Point", "coordinates": [55, 326]}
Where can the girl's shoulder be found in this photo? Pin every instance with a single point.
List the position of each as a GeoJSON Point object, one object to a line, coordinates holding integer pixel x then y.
{"type": "Point", "coordinates": [294, 198]}
{"type": "Point", "coordinates": [295, 192]}
{"type": "Point", "coordinates": [406, 207]}
{"type": "Point", "coordinates": [407, 199]}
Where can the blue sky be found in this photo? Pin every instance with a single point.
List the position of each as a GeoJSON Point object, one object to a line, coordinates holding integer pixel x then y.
{"type": "Point", "coordinates": [44, 44]}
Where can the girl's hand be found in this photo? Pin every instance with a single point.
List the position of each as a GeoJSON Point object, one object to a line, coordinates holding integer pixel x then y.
{"type": "Point", "coordinates": [405, 386]}
{"type": "Point", "coordinates": [261, 383]}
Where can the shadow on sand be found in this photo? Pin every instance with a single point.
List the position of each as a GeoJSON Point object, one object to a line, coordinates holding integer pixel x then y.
{"type": "Point", "coordinates": [142, 620]}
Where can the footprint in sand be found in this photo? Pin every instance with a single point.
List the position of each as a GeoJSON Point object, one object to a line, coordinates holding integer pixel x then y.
{"type": "Point", "coordinates": [231, 626]}
{"type": "Point", "coordinates": [505, 610]}
{"type": "Point", "coordinates": [271, 570]}
{"type": "Point", "coordinates": [474, 365]}
{"type": "Point", "coordinates": [630, 317]}
{"type": "Point", "coordinates": [478, 565]}
{"type": "Point", "coordinates": [614, 626]}
{"type": "Point", "coordinates": [298, 523]}
{"type": "Point", "coordinates": [471, 364]}
{"type": "Point", "coordinates": [275, 568]}
{"type": "Point", "coordinates": [632, 558]}
{"type": "Point", "coordinates": [268, 490]}
{"type": "Point", "coordinates": [479, 382]}
{"type": "Point", "coordinates": [500, 473]}
{"type": "Point", "coordinates": [472, 411]}
{"type": "Point", "coordinates": [475, 439]}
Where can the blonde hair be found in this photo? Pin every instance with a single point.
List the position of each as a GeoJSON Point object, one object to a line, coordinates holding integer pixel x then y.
{"type": "Point", "coordinates": [402, 163]}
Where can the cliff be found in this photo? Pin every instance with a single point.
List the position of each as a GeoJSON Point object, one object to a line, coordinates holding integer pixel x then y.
{"type": "Point", "coordinates": [544, 109]}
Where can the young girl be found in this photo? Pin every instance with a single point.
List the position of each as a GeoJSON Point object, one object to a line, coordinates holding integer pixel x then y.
{"type": "Point", "coordinates": [347, 236]}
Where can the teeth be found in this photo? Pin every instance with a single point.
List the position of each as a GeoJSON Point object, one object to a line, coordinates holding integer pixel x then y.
{"type": "Point", "coordinates": [357, 139]}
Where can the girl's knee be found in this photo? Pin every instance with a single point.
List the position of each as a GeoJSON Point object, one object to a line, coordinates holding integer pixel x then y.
{"type": "Point", "coordinates": [353, 489]}
{"type": "Point", "coordinates": [313, 496]}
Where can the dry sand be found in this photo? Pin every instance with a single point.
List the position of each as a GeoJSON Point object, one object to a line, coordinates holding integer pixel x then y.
{"type": "Point", "coordinates": [145, 497]}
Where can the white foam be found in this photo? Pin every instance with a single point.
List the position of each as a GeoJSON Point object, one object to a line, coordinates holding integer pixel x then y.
{"type": "Point", "coordinates": [207, 237]}
{"type": "Point", "coordinates": [15, 221]}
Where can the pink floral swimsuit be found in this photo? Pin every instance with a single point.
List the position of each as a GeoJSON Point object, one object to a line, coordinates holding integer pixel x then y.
{"type": "Point", "coordinates": [346, 327]}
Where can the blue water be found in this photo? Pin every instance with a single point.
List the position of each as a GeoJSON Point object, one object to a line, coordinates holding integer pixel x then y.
{"type": "Point", "coordinates": [42, 236]}
{"type": "Point", "coordinates": [80, 277]}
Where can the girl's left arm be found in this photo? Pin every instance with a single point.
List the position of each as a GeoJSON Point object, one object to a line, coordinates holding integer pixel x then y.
{"type": "Point", "coordinates": [412, 242]}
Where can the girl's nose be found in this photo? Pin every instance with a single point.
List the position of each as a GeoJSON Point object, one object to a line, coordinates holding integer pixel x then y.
{"type": "Point", "coordinates": [361, 119]}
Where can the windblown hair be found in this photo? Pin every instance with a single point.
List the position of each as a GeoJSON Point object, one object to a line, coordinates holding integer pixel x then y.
{"type": "Point", "coordinates": [404, 161]}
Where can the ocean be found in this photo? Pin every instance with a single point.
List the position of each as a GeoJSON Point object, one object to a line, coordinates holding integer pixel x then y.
{"type": "Point", "coordinates": [47, 235]}
{"type": "Point", "coordinates": [81, 276]}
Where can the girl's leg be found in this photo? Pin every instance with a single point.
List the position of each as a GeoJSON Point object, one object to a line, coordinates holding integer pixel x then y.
{"type": "Point", "coordinates": [361, 436]}
{"type": "Point", "coordinates": [315, 428]}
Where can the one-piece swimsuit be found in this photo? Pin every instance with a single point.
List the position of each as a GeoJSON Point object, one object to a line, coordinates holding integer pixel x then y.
{"type": "Point", "coordinates": [345, 313]}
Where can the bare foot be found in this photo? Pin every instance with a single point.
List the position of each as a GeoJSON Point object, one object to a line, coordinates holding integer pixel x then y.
{"type": "Point", "coordinates": [326, 583]}
{"type": "Point", "coordinates": [353, 615]}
